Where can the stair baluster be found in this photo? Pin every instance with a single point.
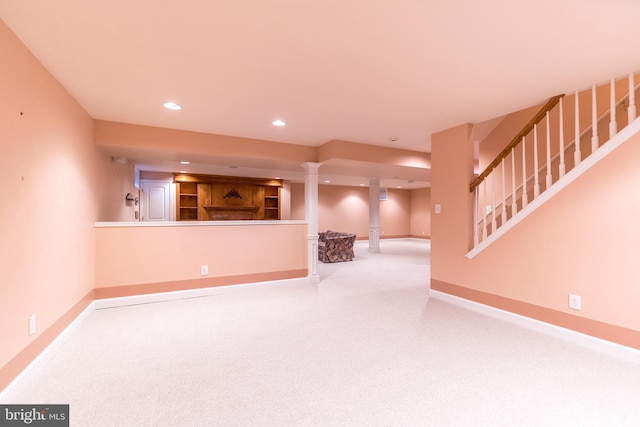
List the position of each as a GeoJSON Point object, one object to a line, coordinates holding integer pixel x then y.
{"type": "Point", "coordinates": [594, 121]}
{"type": "Point", "coordinates": [489, 208]}
{"type": "Point", "coordinates": [514, 204]}
{"type": "Point", "coordinates": [613, 125]}
{"type": "Point", "coordinates": [536, 169]}
{"type": "Point", "coordinates": [631, 110]}
{"type": "Point", "coordinates": [561, 167]}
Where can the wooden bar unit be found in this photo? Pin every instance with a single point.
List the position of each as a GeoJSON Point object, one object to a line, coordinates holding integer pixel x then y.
{"type": "Point", "coordinates": [187, 202]}
{"type": "Point", "coordinates": [272, 202]}
{"type": "Point", "coordinates": [220, 198]}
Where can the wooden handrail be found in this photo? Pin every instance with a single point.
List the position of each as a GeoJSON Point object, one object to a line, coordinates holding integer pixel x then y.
{"type": "Point", "coordinates": [516, 140]}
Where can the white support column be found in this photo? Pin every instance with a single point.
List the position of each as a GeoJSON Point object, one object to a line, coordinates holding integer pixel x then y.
{"type": "Point", "coordinates": [311, 216]}
{"type": "Point", "coordinates": [374, 215]}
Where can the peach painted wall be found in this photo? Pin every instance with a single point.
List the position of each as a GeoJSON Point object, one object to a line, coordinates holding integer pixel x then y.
{"type": "Point", "coordinates": [50, 171]}
{"type": "Point", "coordinates": [583, 241]}
{"type": "Point", "coordinates": [343, 208]}
{"type": "Point", "coordinates": [508, 128]}
{"type": "Point", "coordinates": [297, 200]}
{"type": "Point", "coordinates": [157, 176]}
{"type": "Point", "coordinates": [420, 213]}
{"type": "Point", "coordinates": [285, 201]}
{"type": "Point", "coordinates": [395, 214]}
{"type": "Point", "coordinates": [135, 255]}
{"type": "Point", "coordinates": [117, 182]}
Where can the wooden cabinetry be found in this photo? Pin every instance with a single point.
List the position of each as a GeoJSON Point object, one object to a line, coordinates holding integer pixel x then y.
{"type": "Point", "coordinates": [272, 203]}
{"type": "Point", "coordinates": [187, 202]}
{"type": "Point", "coordinates": [218, 198]}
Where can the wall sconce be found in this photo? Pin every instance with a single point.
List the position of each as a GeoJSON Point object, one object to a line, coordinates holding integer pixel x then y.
{"type": "Point", "coordinates": [129, 198]}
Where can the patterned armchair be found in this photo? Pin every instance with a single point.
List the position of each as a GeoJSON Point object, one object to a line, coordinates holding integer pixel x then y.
{"type": "Point", "coordinates": [335, 247]}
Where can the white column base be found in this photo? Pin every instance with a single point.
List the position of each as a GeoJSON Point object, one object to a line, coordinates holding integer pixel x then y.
{"type": "Point", "coordinates": [374, 239]}
{"type": "Point", "coordinates": [312, 250]}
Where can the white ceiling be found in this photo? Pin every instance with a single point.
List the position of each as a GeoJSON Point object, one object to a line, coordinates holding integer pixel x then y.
{"type": "Point", "coordinates": [356, 70]}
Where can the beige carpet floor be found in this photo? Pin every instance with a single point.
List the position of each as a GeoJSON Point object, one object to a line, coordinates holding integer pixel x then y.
{"type": "Point", "coordinates": [365, 347]}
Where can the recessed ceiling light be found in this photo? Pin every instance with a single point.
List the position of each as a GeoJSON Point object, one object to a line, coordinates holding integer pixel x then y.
{"type": "Point", "coordinates": [326, 181]}
{"type": "Point", "coordinates": [172, 106]}
{"type": "Point", "coordinates": [361, 185]}
{"type": "Point", "coordinates": [184, 172]}
{"type": "Point", "coordinates": [278, 122]}
{"type": "Point", "coordinates": [184, 162]}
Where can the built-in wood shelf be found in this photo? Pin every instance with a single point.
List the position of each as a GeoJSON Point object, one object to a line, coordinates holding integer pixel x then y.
{"type": "Point", "coordinates": [215, 198]}
{"type": "Point", "coordinates": [233, 208]}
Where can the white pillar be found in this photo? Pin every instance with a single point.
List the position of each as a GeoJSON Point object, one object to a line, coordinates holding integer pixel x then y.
{"type": "Point", "coordinates": [374, 215]}
{"type": "Point", "coordinates": [311, 216]}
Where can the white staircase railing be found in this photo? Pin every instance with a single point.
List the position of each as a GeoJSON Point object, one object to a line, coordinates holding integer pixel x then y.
{"type": "Point", "coordinates": [516, 178]}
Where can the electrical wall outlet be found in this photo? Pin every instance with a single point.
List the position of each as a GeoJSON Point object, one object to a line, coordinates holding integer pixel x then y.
{"type": "Point", "coordinates": [575, 302]}
{"type": "Point", "coordinates": [32, 324]}
{"type": "Point", "coordinates": [204, 270]}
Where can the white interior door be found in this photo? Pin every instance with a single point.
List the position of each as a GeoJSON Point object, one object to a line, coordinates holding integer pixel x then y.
{"type": "Point", "coordinates": [156, 200]}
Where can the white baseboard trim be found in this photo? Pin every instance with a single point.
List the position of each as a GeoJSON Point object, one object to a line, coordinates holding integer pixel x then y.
{"type": "Point", "coordinates": [586, 341]}
{"type": "Point", "coordinates": [48, 352]}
